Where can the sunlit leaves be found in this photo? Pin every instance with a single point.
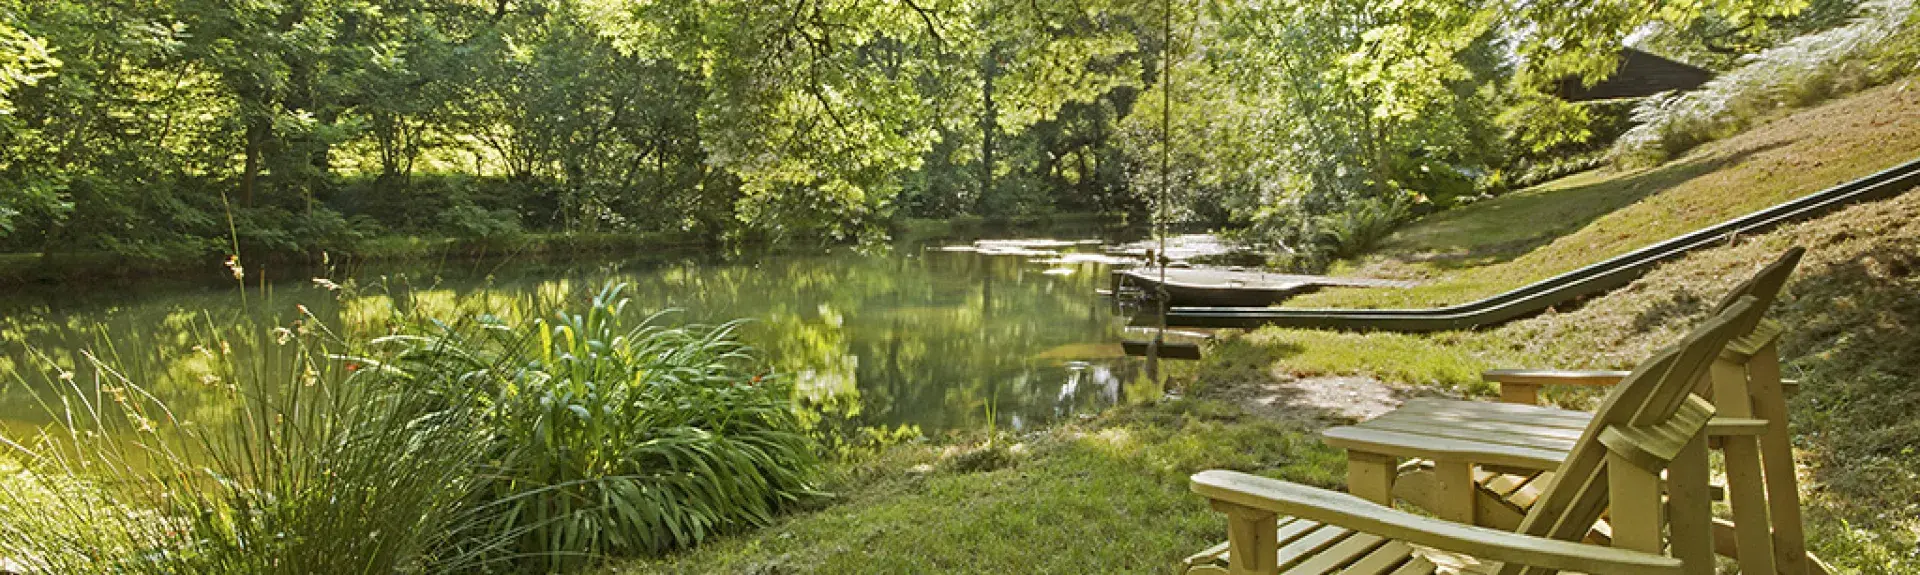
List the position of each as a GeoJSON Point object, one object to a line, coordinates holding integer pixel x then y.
{"type": "Point", "coordinates": [1582, 38]}
{"type": "Point", "coordinates": [24, 61]}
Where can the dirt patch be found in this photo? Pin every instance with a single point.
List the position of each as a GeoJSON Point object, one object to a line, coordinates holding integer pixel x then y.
{"type": "Point", "coordinates": [1322, 400]}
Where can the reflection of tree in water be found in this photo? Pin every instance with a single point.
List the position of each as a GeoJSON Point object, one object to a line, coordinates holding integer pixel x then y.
{"type": "Point", "coordinates": [929, 339]}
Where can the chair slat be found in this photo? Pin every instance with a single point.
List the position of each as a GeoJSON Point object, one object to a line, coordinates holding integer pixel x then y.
{"type": "Point", "coordinates": [1348, 550]}
{"type": "Point", "coordinates": [1384, 559]}
{"type": "Point", "coordinates": [1495, 422]}
{"type": "Point", "coordinates": [1469, 434]}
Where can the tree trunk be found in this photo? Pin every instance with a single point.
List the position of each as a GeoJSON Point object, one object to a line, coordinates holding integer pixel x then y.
{"type": "Point", "coordinates": [989, 122]}
{"type": "Point", "coordinates": [257, 132]}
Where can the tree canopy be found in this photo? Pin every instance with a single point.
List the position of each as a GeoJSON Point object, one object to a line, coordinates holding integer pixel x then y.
{"type": "Point", "coordinates": [179, 128]}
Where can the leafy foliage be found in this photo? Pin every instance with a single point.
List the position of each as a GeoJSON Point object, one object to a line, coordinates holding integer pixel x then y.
{"type": "Point", "coordinates": [182, 128]}
{"type": "Point", "coordinates": [616, 437]}
{"type": "Point", "coordinates": [1803, 71]}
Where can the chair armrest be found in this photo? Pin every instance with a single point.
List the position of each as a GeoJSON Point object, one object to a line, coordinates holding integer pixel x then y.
{"type": "Point", "coordinates": [1334, 508]}
{"type": "Point", "coordinates": [1523, 385]}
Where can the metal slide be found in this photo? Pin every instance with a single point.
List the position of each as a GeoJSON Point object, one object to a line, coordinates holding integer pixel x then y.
{"type": "Point", "coordinates": [1539, 296]}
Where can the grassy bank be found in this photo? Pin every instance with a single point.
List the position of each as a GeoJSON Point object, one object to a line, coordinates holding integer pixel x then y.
{"type": "Point", "coordinates": [70, 267]}
{"type": "Point", "coordinates": [1537, 233]}
{"type": "Point", "coordinates": [63, 268]}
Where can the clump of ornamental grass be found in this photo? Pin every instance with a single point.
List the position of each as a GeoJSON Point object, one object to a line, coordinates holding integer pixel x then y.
{"type": "Point", "coordinates": [326, 472]}
{"type": "Point", "coordinates": [615, 436]}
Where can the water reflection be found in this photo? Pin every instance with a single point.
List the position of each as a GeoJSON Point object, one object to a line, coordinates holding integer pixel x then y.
{"type": "Point", "coordinates": [919, 336]}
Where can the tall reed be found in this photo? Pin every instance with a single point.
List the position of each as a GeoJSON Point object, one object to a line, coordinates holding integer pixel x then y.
{"type": "Point", "coordinates": [326, 471]}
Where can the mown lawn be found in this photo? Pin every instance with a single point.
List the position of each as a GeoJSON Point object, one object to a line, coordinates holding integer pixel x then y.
{"type": "Point", "coordinates": [1107, 496]}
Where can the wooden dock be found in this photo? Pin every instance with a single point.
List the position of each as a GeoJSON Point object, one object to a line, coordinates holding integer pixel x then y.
{"type": "Point", "coordinates": [1233, 287]}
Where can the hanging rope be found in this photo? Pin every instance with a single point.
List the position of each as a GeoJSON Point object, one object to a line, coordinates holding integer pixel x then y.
{"type": "Point", "coordinates": [1166, 185]}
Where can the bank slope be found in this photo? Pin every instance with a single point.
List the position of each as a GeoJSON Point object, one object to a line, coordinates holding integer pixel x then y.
{"type": "Point", "coordinates": [1506, 242]}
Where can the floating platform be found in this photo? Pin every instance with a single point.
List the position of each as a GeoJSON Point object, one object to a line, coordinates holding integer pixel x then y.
{"type": "Point", "coordinates": [1168, 349]}
{"type": "Point", "coordinates": [1233, 287]}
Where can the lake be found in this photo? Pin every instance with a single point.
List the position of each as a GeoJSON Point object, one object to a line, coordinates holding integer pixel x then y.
{"type": "Point", "coordinates": [912, 334]}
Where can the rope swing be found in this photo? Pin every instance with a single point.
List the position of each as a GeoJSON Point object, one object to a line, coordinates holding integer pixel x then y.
{"type": "Point", "coordinates": [1159, 257]}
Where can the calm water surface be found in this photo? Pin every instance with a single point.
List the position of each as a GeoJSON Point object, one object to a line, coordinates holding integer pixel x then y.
{"type": "Point", "coordinates": [915, 335]}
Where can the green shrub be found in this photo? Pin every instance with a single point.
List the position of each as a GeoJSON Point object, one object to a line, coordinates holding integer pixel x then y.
{"type": "Point", "coordinates": [474, 222]}
{"type": "Point", "coordinates": [626, 438]}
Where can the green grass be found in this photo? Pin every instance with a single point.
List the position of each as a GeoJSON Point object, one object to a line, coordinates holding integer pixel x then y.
{"type": "Point", "coordinates": [1451, 363]}
{"type": "Point", "coordinates": [1495, 245]}
{"type": "Point", "coordinates": [1108, 496]}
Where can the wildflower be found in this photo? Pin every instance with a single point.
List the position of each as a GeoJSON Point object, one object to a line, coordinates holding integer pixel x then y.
{"type": "Point", "coordinates": [326, 284]}
{"type": "Point", "coordinates": [303, 309]}
{"type": "Point", "coordinates": [233, 264]}
{"type": "Point", "coordinates": [281, 335]}
{"type": "Point", "coordinates": [352, 367]}
{"type": "Point", "coordinates": [66, 375]}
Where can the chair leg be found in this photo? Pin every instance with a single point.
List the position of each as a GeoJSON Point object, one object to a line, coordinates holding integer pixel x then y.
{"type": "Point", "coordinates": [1776, 447]}
{"type": "Point", "coordinates": [1253, 540]}
{"type": "Point", "coordinates": [1746, 488]}
{"type": "Point", "coordinates": [1457, 491]}
{"type": "Point", "coordinates": [1635, 510]}
{"type": "Point", "coordinates": [1370, 476]}
{"type": "Point", "coordinates": [1690, 508]}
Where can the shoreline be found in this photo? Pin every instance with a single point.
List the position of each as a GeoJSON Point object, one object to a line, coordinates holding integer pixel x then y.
{"type": "Point", "coordinates": [39, 270]}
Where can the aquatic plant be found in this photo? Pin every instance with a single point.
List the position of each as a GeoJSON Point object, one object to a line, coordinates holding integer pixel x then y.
{"type": "Point", "coordinates": [324, 473]}
{"type": "Point", "coordinates": [615, 437]}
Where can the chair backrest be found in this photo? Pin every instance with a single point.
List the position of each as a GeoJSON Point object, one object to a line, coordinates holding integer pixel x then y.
{"type": "Point", "coordinates": [1654, 401]}
{"type": "Point", "coordinates": [1765, 286]}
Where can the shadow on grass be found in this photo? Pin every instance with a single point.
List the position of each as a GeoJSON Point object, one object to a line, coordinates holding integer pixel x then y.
{"type": "Point", "coordinates": [1855, 329]}
{"type": "Point", "coordinates": [1273, 378]}
{"type": "Point", "coordinates": [1560, 212]}
{"type": "Point", "coordinates": [1858, 342]}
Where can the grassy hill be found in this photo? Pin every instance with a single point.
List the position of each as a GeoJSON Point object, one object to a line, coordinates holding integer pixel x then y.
{"type": "Point", "coordinates": [1536, 233]}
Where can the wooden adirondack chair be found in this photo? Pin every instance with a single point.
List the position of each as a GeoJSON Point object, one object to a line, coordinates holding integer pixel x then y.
{"type": "Point", "coordinates": [1649, 425]}
{"type": "Point", "coordinates": [1751, 430]}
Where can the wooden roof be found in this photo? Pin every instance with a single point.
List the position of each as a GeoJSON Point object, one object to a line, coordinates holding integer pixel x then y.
{"type": "Point", "coordinates": [1640, 75]}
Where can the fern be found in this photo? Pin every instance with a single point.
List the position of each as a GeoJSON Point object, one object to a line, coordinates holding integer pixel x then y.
{"type": "Point", "coordinates": [1875, 48]}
